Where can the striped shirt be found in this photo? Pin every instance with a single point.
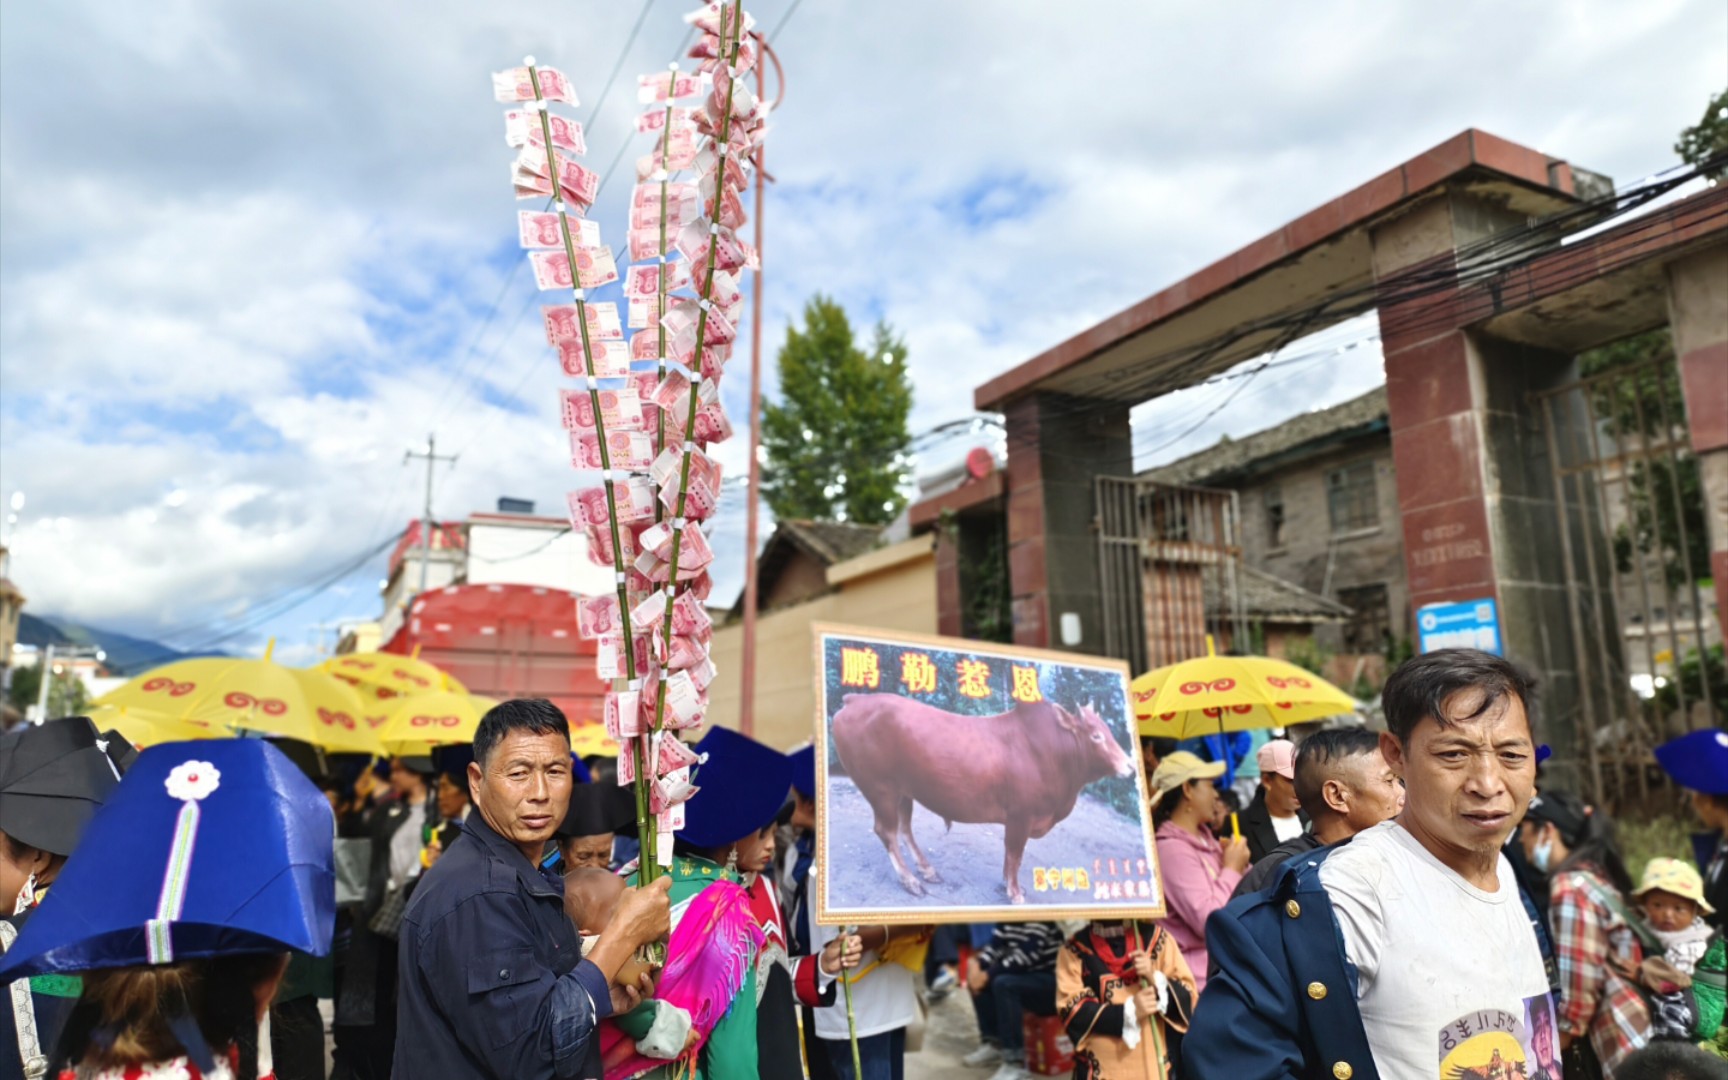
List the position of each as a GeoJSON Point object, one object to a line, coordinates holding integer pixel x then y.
{"type": "Point", "coordinates": [1022, 947]}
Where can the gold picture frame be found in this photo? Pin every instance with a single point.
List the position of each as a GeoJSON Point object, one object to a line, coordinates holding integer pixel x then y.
{"type": "Point", "coordinates": [1071, 891]}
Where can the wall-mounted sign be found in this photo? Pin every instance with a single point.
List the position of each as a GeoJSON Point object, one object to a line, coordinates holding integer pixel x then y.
{"type": "Point", "coordinates": [1467, 624]}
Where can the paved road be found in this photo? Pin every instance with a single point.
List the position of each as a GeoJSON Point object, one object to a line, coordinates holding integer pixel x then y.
{"type": "Point", "coordinates": [969, 857]}
{"type": "Point", "coordinates": [950, 1032]}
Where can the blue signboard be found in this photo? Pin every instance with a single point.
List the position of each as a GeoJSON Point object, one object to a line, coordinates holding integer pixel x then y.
{"type": "Point", "coordinates": [1468, 624]}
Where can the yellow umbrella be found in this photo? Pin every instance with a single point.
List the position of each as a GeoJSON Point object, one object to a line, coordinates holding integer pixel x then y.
{"type": "Point", "coordinates": [389, 675]}
{"type": "Point", "coordinates": [419, 723]}
{"type": "Point", "coordinates": [1213, 694]}
{"type": "Point", "coordinates": [169, 690]}
{"type": "Point", "coordinates": [589, 740]}
{"type": "Point", "coordinates": [227, 693]}
{"type": "Point", "coordinates": [142, 727]}
{"type": "Point", "coordinates": [376, 702]}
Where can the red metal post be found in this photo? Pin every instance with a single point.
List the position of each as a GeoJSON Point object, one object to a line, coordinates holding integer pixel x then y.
{"type": "Point", "coordinates": [747, 676]}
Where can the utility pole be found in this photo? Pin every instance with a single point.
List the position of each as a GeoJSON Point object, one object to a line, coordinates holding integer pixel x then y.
{"type": "Point", "coordinates": [747, 677]}
{"type": "Point", "coordinates": [432, 459]}
{"type": "Point", "coordinates": [323, 628]}
{"type": "Point", "coordinates": [47, 677]}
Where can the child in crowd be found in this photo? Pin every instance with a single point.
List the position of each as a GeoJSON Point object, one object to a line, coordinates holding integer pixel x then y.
{"type": "Point", "coordinates": [1683, 1003]}
{"type": "Point", "coordinates": [1125, 994]}
{"type": "Point", "coordinates": [659, 1029]}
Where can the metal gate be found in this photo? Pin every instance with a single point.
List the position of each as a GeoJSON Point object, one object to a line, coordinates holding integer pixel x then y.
{"type": "Point", "coordinates": [1633, 544]}
{"type": "Point", "coordinates": [1169, 562]}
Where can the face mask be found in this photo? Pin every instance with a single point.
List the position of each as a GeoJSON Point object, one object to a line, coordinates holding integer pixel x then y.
{"type": "Point", "coordinates": [1543, 855]}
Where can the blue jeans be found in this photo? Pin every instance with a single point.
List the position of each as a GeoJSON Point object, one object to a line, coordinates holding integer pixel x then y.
{"type": "Point", "coordinates": [1006, 998]}
{"type": "Point", "coordinates": [882, 1056]}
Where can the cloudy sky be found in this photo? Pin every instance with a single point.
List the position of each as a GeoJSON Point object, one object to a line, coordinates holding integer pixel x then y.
{"type": "Point", "coordinates": [252, 252]}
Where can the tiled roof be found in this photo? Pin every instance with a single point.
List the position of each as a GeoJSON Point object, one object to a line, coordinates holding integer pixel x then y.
{"type": "Point", "coordinates": [1313, 430]}
{"type": "Point", "coordinates": [831, 541]}
{"type": "Point", "coordinates": [1272, 599]}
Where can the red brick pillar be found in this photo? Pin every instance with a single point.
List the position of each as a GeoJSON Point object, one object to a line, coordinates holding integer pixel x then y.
{"type": "Point", "coordinates": [1027, 580]}
{"type": "Point", "coordinates": [1057, 445]}
{"type": "Point", "coordinates": [1698, 318]}
{"type": "Point", "coordinates": [1475, 487]}
{"type": "Point", "coordinates": [950, 614]}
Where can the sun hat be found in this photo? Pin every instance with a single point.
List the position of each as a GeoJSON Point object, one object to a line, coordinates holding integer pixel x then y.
{"type": "Point", "coordinates": [1178, 768]}
{"type": "Point", "coordinates": [1278, 756]}
{"type": "Point", "coordinates": [1674, 876]}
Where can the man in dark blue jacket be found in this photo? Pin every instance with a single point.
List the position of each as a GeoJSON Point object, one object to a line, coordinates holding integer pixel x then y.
{"type": "Point", "coordinates": [493, 981]}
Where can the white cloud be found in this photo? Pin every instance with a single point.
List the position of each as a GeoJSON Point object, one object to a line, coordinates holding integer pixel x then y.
{"type": "Point", "coordinates": [245, 257]}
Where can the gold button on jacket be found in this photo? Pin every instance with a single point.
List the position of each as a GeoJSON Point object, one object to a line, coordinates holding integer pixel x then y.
{"type": "Point", "coordinates": [1343, 1071]}
{"type": "Point", "coordinates": [1292, 908]}
{"type": "Point", "coordinates": [1317, 990]}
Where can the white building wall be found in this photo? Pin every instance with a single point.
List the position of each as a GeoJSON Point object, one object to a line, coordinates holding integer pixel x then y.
{"type": "Point", "coordinates": [532, 551]}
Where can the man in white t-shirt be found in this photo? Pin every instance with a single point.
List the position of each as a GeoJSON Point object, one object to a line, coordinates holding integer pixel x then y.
{"type": "Point", "coordinates": [1442, 972]}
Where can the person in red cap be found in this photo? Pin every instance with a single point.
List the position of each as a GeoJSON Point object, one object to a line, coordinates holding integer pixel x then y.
{"type": "Point", "coordinates": [1275, 816]}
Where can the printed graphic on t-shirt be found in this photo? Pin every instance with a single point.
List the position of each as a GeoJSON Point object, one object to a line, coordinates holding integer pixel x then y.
{"type": "Point", "coordinates": [1493, 1044]}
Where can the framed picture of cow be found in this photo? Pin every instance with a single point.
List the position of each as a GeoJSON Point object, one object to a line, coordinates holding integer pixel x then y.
{"type": "Point", "coordinates": [964, 781]}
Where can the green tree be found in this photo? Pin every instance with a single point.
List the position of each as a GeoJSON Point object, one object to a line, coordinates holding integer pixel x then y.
{"type": "Point", "coordinates": [66, 694]}
{"type": "Point", "coordinates": [1708, 137]}
{"type": "Point", "coordinates": [837, 441]}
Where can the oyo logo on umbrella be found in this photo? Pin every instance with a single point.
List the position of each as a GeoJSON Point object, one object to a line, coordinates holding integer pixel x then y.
{"type": "Point", "coordinates": [335, 719]}
{"type": "Point", "coordinates": [268, 706]}
{"type": "Point", "coordinates": [1217, 686]}
{"type": "Point", "coordinates": [168, 686]}
{"type": "Point", "coordinates": [434, 721]}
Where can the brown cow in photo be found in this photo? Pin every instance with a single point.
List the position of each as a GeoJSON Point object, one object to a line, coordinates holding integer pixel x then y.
{"type": "Point", "coordinates": [1021, 769]}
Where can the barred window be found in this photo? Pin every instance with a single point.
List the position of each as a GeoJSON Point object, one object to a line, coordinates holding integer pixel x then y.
{"type": "Point", "coordinates": [1370, 625]}
{"type": "Point", "coordinates": [1350, 497]}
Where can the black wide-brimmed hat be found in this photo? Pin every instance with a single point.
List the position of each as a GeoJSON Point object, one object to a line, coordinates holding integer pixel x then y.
{"type": "Point", "coordinates": [53, 779]}
{"type": "Point", "coordinates": [598, 808]}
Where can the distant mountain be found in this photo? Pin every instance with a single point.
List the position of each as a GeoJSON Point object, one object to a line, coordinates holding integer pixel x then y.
{"type": "Point", "coordinates": [127, 655]}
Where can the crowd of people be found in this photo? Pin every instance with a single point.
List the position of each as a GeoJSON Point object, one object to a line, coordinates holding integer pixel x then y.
{"type": "Point", "coordinates": [1407, 904]}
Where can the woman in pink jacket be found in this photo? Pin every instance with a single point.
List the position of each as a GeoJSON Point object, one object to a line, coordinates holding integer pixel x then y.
{"type": "Point", "coordinates": [1198, 873]}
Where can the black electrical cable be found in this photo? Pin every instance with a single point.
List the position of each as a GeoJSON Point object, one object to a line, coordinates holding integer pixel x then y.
{"type": "Point", "coordinates": [218, 633]}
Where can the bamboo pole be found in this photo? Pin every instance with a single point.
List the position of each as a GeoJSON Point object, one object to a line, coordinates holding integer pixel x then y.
{"type": "Point", "coordinates": [851, 1020]}
{"type": "Point", "coordinates": [707, 291]}
{"type": "Point", "coordinates": [645, 831]}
